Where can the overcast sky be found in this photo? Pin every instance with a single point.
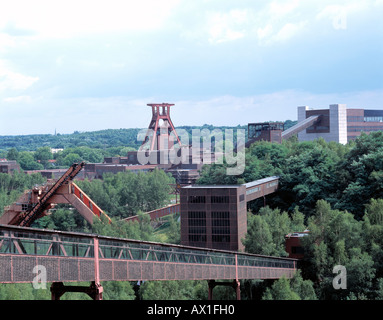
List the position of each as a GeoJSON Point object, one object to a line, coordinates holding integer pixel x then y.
{"type": "Point", "coordinates": [90, 65]}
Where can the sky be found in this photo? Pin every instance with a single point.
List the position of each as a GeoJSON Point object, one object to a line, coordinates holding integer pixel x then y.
{"type": "Point", "coordinates": [81, 65]}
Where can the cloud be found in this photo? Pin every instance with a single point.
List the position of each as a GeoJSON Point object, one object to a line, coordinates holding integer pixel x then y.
{"type": "Point", "coordinates": [19, 99]}
{"type": "Point", "coordinates": [11, 80]}
{"type": "Point", "coordinates": [63, 19]}
{"type": "Point", "coordinates": [288, 31]}
{"type": "Point", "coordinates": [227, 26]}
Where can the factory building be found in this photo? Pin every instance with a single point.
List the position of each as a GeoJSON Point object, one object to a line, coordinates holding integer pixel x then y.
{"type": "Point", "coordinates": [337, 123]}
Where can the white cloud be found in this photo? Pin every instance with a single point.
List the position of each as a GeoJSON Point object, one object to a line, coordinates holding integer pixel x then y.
{"type": "Point", "coordinates": [19, 99]}
{"type": "Point", "coordinates": [288, 31]}
{"type": "Point", "coordinates": [63, 19]}
{"type": "Point", "coordinates": [282, 8]}
{"type": "Point", "coordinates": [11, 80]}
{"type": "Point", "coordinates": [228, 26]}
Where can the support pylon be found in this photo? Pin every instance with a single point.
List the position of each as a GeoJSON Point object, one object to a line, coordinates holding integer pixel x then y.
{"type": "Point", "coordinates": [160, 134]}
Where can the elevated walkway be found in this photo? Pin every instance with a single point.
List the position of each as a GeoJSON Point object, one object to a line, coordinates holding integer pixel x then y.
{"type": "Point", "coordinates": [77, 257]}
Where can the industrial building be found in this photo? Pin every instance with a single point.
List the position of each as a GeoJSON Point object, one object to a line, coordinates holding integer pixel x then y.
{"type": "Point", "coordinates": [337, 123]}
{"type": "Point", "coordinates": [215, 216]}
{"type": "Point", "coordinates": [268, 131]}
{"type": "Point", "coordinates": [9, 166]}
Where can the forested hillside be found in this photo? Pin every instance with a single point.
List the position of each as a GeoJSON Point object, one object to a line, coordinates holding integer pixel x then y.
{"type": "Point", "coordinates": [102, 139]}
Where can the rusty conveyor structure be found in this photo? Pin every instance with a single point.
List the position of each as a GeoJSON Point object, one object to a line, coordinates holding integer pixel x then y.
{"type": "Point", "coordinates": [37, 202]}
{"type": "Point", "coordinates": [300, 126]}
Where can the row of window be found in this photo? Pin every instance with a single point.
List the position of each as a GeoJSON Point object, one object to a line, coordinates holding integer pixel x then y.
{"type": "Point", "coordinates": [253, 190]}
{"type": "Point", "coordinates": [364, 119]}
{"type": "Point", "coordinates": [364, 128]}
{"type": "Point", "coordinates": [220, 230]}
{"type": "Point", "coordinates": [213, 199]}
{"type": "Point", "coordinates": [373, 119]}
{"type": "Point", "coordinates": [220, 215]}
{"type": "Point", "coordinates": [197, 230]}
{"type": "Point", "coordinates": [257, 189]}
{"type": "Point", "coordinates": [272, 184]}
{"type": "Point", "coordinates": [214, 238]}
{"type": "Point", "coordinates": [197, 238]}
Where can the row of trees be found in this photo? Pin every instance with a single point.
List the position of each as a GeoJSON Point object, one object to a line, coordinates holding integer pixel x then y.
{"type": "Point", "coordinates": [42, 157]}
{"type": "Point", "coordinates": [102, 139]}
{"type": "Point", "coordinates": [95, 139]}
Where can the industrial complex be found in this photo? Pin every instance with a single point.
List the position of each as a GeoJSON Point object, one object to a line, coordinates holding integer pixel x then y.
{"type": "Point", "coordinates": [213, 217]}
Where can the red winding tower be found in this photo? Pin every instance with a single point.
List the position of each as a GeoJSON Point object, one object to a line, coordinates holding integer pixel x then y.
{"type": "Point", "coordinates": [160, 111]}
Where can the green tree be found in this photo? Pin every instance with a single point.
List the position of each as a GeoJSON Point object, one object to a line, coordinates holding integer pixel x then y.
{"type": "Point", "coordinates": [258, 238]}
{"type": "Point", "coordinates": [12, 154]}
{"type": "Point", "coordinates": [42, 155]}
{"type": "Point", "coordinates": [118, 290]}
{"type": "Point", "coordinates": [28, 162]}
{"type": "Point", "coordinates": [280, 290]}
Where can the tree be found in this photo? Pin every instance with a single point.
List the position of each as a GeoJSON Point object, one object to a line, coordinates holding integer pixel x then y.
{"type": "Point", "coordinates": [42, 155]}
{"type": "Point", "coordinates": [280, 290]}
{"type": "Point", "coordinates": [297, 221]}
{"type": "Point", "coordinates": [279, 225]}
{"type": "Point", "coordinates": [258, 239]}
{"type": "Point", "coordinates": [360, 272]}
{"type": "Point", "coordinates": [168, 290]}
{"type": "Point", "coordinates": [12, 154]}
{"type": "Point", "coordinates": [118, 290]}
{"type": "Point", "coordinates": [28, 162]}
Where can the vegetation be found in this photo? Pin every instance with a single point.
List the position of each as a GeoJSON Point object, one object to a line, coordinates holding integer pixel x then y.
{"type": "Point", "coordinates": [336, 192]}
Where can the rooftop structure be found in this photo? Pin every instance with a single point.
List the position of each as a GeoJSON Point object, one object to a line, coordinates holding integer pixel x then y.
{"type": "Point", "coordinates": [267, 131]}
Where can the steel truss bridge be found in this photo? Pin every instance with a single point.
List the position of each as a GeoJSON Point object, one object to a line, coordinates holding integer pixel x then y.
{"type": "Point", "coordinates": [75, 257]}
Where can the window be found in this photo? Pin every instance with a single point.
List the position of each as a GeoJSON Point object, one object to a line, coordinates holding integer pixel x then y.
{"type": "Point", "coordinates": [241, 197]}
{"type": "Point", "coordinates": [373, 119]}
{"type": "Point", "coordinates": [197, 226]}
{"type": "Point", "coordinates": [220, 226]}
{"type": "Point", "coordinates": [355, 119]}
{"type": "Point", "coordinates": [272, 184]}
{"type": "Point", "coordinates": [219, 199]}
{"type": "Point", "coordinates": [364, 128]}
{"type": "Point", "coordinates": [25, 206]}
{"type": "Point", "coordinates": [253, 190]}
{"type": "Point", "coordinates": [197, 238]}
{"type": "Point", "coordinates": [197, 199]}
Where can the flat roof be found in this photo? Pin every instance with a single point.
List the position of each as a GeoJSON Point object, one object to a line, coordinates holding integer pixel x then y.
{"type": "Point", "coordinates": [223, 186]}
{"type": "Point", "coordinates": [260, 181]}
{"type": "Point", "coordinates": [217, 186]}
